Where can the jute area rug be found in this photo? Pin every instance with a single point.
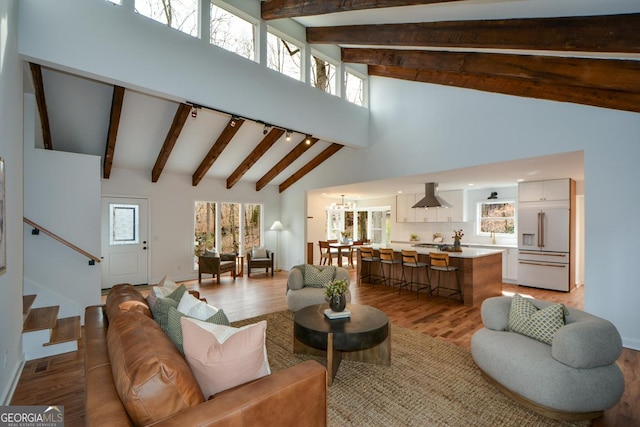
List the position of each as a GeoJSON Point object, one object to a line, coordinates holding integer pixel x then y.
{"type": "Point", "coordinates": [430, 383]}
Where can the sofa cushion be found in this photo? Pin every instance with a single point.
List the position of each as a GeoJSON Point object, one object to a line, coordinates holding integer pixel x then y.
{"type": "Point", "coordinates": [318, 278]}
{"type": "Point", "coordinates": [222, 357]}
{"type": "Point", "coordinates": [151, 377]}
{"type": "Point", "coordinates": [161, 312]}
{"type": "Point", "coordinates": [525, 318]}
{"type": "Point", "coordinates": [164, 287]}
{"type": "Point", "coordinates": [174, 327]}
{"type": "Point", "coordinates": [123, 298]}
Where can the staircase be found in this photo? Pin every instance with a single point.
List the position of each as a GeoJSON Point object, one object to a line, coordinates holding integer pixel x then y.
{"type": "Point", "coordinates": [43, 334]}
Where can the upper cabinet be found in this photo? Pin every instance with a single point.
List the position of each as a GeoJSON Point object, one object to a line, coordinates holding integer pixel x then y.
{"type": "Point", "coordinates": [556, 189]}
{"type": "Point", "coordinates": [406, 213]}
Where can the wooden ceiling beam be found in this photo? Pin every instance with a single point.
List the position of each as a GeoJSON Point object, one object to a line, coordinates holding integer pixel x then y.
{"type": "Point", "coordinates": [114, 123]}
{"type": "Point", "coordinates": [38, 84]}
{"type": "Point", "coordinates": [217, 148]}
{"type": "Point", "coordinates": [179, 119]}
{"type": "Point", "coordinates": [613, 74]}
{"type": "Point", "coordinates": [315, 162]}
{"type": "Point", "coordinates": [277, 9]}
{"type": "Point", "coordinates": [260, 150]}
{"type": "Point", "coordinates": [615, 99]}
{"type": "Point", "coordinates": [285, 162]}
{"type": "Point", "coordinates": [604, 33]}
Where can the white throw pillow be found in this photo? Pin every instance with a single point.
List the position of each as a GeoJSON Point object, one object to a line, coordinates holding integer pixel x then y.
{"type": "Point", "coordinates": [258, 252]}
{"type": "Point", "coordinates": [193, 307]}
{"type": "Point", "coordinates": [222, 357]}
{"type": "Point", "coordinates": [161, 290]}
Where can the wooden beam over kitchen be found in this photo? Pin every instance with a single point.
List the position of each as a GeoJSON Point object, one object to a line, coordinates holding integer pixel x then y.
{"type": "Point", "coordinates": [613, 74]}
{"type": "Point", "coordinates": [285, 162]}
{"type": "Point", "coordinates": [114, 124]}
{"type": "Point", "coordinates": [604, 33]}
{"type": "Point", "coordinates": [38, 84]}
{"type": "Point", "coordinates": [216, 149]}
{"type": "Point", "coordinates": [276, 9]}
{"type": "Point", "coordinates": [260, 150]}
{"type": "Point", "coordinates": [615, 99]}
{"type": "Point", "coordinates": [179, 120]}
{"type": "Point", "coordinates": [315, 162]}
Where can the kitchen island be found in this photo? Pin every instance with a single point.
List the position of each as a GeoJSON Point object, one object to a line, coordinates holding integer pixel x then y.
{"type": "Point", "coordinates": [480, 270]}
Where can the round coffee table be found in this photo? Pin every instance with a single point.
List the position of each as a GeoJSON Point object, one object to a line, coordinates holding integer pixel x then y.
{"type": "Point", "coordinates": [365, 336]}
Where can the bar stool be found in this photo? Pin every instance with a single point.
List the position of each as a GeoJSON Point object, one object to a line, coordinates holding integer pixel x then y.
{"type": "Point", "coordinates": [410, 260]}
{"type": "Point", "coordinates": [387, 258]}
{"type": "Point", "coordinates": [440, 262]}
{"type": "Point", "coordinates": [367, 256]}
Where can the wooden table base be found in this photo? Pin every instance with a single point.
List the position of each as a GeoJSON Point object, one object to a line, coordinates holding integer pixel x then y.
{"type": "Point", "coordinates": [379, 354]}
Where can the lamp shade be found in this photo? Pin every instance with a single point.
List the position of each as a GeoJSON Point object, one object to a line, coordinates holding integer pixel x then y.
{"type": "Point", "coordinates": [277, 226]}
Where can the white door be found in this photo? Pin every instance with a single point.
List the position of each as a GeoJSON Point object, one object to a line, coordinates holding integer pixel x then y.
{"type": "Point", "coordinates": [125, 254]}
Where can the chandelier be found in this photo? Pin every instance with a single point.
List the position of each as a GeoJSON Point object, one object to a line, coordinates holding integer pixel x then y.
{"type": "Point", "coordinates": [344, 206]}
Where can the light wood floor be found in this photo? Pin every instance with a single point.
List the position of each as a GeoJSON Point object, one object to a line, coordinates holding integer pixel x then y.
{"type": "Point", "coordinates": [59, 380]}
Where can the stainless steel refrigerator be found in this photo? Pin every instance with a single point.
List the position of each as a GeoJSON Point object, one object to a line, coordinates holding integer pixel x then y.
{"type": "Point", "coordinates": [544, 245]}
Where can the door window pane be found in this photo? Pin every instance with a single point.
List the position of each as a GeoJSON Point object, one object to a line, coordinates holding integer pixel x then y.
{"type": "Point", "coordinates": [252, 225]}
{"type": "Point", "coordinates": [123, 224]}
{"type": "Point", "coordinates": [230, 227]}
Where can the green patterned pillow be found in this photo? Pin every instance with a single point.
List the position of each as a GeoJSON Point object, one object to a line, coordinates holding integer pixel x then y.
{"type": "Point", "coordinates": [174, 329]}
{"type": "Point", "coordinates": [526, 319]}
{"type": "Point", "coordinates": [160, 311]}
{"type": "Point", "coordinates": [177, 294]}
{"type": "Point", "coordinates": [316, 278]}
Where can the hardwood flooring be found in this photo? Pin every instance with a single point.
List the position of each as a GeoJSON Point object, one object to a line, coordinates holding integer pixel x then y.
{"type": "Point", "coordinates": [59, 380]}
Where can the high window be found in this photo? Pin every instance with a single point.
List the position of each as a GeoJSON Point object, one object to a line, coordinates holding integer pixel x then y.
{"type": "Point", "coordinates": [323, 75]}
{"type": "Point", "coordinates": [231, 32]}
{"type": "Point", "coordinates": [284, 56]}
{"type": "Point", "coordinates": [354, 88]}
{"type": "Point", "coordinates": [496, 217]}
{"type": "Point", "coordinates": [179, 14]}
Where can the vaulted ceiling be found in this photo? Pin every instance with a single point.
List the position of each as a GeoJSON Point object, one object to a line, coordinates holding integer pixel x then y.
{"type": "Point", "coordinates": [535, 48]}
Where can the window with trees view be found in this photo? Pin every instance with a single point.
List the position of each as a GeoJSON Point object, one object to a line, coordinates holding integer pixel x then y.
{"type": "Point", "coordinates": [284, 56]}
{"type": "Point", "coordinates": [232, 32]}
{"type": "Point", "coordinates": [252, 225]}
{"type": "Point", "coordinates": [496, 217]}
{"type": "Point", "coordinates": [205, 227]}
{"type": "Point", "coordinates": [323, 75]}
{"type": "Point", "coordinates": [179, 14]}
{"type": "Point", "coordinates": [354, 89]}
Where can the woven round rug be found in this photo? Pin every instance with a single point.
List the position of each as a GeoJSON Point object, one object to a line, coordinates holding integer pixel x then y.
{"type": "Point", "coordinates": [430, 383]}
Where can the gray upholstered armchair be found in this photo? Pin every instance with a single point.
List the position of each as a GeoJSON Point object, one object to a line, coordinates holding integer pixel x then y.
{"type": "Point", "coordinates": [217, 265]}
{"type": "Point", "coordinates": [260, 258]}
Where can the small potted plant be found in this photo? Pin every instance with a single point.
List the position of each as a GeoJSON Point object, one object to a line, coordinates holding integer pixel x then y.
{"type": "Point", "coordinates": [413, 237]}
{"type": "Point", "coordinates": [345, 236]}
{"type": "Point", "coordinates": [457, 236]}
{"type": "Point", "coordinates": [335, 291]}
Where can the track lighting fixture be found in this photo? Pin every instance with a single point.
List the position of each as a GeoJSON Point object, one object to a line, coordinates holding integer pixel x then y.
{"type": "Point", "coordinates": [194, 112]}
{"type": "Point", "coordinates": [307, 140]}
{"type": "Point", "coordinates": [288, 136]}
{"type": "Point", "coordinates": [266, 129]}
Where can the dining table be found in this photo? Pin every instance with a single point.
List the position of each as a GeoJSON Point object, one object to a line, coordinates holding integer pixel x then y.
{"type": "Point", "coordinates": [341, 249]}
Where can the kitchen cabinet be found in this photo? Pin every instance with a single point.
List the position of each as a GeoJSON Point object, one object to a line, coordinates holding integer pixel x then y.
{"type": "Point", "coordinates": [404, 209]}
{"type": "Point", "coordinates": [510, 266]}
{"type": "Point", "coordinates": [456, 212]}
{"type": "Point", "coordinates": [535, 191]}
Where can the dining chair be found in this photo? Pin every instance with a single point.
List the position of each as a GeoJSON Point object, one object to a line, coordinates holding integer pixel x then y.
{"type": "Point", "coordinates": [440, 262]}
{"type": "Point", "coordinates": [326, 254]}
{"type": "Point", "coordinates": [410, 260]}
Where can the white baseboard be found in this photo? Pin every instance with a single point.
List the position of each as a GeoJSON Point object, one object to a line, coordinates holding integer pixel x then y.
{"type": "Point", "coordinates": [14, 383]}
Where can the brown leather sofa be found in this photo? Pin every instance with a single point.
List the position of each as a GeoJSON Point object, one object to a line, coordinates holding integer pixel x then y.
{"type": "Point", "coordinates": [134, 375]}
{"type": "Point", "coordinates": [217, 265]}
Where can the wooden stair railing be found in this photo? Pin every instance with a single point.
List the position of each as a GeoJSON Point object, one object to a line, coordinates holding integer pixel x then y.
{"type": "Point", "coordinates": [37, 228]}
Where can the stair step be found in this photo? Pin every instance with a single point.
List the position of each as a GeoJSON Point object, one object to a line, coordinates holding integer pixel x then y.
{"type": "Point", "coordinates": [66, 329]}
{"type": "Point", "coordinates": [27, 302]}
{"type": "Point", "coordinates": [41, 318]}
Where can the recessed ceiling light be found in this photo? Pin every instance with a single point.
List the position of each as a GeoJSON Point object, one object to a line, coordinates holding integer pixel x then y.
{"type": "Point", "coordinates": [520, 179]}
{"type": "Point", "coordinates": [471, 184]}
{"type": "Point", "coordinates": [399, 191]}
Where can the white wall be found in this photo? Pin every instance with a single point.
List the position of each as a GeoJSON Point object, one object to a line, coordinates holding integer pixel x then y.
{"type": "Point", "coordinates": [56, 199]}
{"type": "Point", "coordinates": [11, 357]}
{"type": "Point", "coordinates": [171, 208]}
{"type": "Point", "coordinates": [116, 45]}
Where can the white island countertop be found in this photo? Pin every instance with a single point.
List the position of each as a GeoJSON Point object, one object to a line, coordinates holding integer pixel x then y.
{"type": "Point", "coordinates": [466, 252]}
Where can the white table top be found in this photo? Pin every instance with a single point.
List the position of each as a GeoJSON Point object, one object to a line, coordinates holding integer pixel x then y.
{"type": "Point", "coordinates": [466, 252]}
